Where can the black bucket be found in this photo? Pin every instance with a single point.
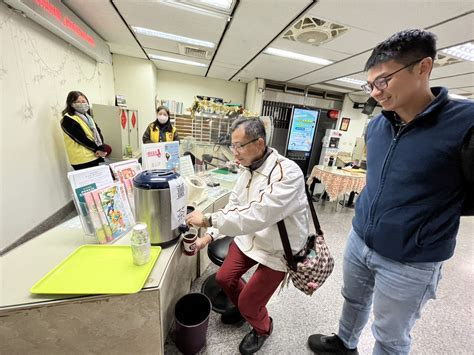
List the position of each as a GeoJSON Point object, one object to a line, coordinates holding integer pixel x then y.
{"type": "Point", "coordinates": [192, 313]}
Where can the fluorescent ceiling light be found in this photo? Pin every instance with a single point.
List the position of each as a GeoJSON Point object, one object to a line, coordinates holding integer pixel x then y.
{"type": "Point", "coordinates": [176, 60]}
{"type": "Point", "coordinates": [464, 51]}
{"type": "Point", "coordinates": [352, 80]}
{"type": "Point", "coordinates": [202, 8]}
{"type": "Point", "coordinates": [172, 37]}
{"type": "Point", "coordinates": [220, 4]}
{"type": "Point", "coordinates": [455, 96]}
{"type": "Point", "coordinates": [296, 56]}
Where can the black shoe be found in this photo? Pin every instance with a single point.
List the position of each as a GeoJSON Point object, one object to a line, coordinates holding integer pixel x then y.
{"type": "Point", "coordinates": [325, 344]}
{"type": "Point", "coordinates": [232, 316]}
{"type": "Point", "coordinates": [252, 342]}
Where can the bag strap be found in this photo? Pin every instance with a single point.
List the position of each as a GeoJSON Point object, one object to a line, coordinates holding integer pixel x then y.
{"type": "Point", "coordinates": [282, 228]}
{"type": "Point", "coordinates": [286, 245]}
{"type": "Point", "coordinates": [317, 226]}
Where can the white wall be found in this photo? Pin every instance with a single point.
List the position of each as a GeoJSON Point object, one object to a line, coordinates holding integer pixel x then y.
{"type": "Point", "coordinates": [37, 70]}
{"type": "Point", "coordinates": [356, 125]}
{"type": "Point", "coordinates": [135, 78]}
{"type": "Point", "coordinates": [183, 87]}
{"type": "Point", "coordinates": [254, 96]}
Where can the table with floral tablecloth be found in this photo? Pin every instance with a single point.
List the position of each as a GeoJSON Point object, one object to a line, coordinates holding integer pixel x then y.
{"type": "Point", "coordinates": [338, 181]}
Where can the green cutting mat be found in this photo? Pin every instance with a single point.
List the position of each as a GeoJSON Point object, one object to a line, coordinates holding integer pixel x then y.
{"type": "Point", "coordinates": [224, 171]}
{"type": "Point", "coordinates": [97, 269]}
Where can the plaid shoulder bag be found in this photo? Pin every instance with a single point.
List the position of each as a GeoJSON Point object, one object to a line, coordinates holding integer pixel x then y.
{"type": "Point", "coordinates": [313, 264]}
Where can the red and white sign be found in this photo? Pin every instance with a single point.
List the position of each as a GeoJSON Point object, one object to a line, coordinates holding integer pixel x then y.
{"type": "Point", "coordinates": [123, 119]}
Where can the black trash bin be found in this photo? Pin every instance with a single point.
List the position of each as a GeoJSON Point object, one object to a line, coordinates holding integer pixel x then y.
{"type": "Point", "coordinates": [192, 317]}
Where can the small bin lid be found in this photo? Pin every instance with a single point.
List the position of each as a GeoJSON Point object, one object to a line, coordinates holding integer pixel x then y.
{"type": "Point", "coordinates": [154, 179]}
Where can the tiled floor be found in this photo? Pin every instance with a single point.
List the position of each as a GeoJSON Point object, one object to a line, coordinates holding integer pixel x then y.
{"type": "Point", "coordinates": [446, 325]}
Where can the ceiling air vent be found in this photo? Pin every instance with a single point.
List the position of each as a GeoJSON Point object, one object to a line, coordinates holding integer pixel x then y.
{"type": "Point", "coordinates": [442, 60]}
{"type": "Point", "coordinates": [194, 52]}
{"type": "Point", "coordinates": [295, 90]}
{"type": "Point", "coordinates": [314, 31]}
{"type": "Point", "coordinates": [315, 93]}
{"type": "Point", "coordinates": [275, 86]}
{"type": "Point", "coordinates": [334, 96]}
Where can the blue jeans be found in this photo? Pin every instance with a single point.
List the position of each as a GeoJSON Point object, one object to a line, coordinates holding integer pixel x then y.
{"type": "Point", "coordinates": [397, 290]}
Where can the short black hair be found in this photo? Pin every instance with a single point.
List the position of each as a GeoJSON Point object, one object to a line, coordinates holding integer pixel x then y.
{"type": "Point", "coordinates": [253, 127]}
{"type": "Point", "coordinates": [404, 47]}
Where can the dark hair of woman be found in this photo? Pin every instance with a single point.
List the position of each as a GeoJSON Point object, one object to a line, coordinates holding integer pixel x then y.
{"type": "Point", "coordinates": [165, 127]}
{"type": "Point", "coordinates": [71, 98]}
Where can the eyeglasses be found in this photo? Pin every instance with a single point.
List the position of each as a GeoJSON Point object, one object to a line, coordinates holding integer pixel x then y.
{"type": "Point", "coordinates": [238, 147]}
{"type": "Point", "coordinates": [382, 82]}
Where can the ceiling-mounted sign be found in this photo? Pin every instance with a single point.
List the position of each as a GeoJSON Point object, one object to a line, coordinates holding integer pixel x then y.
{"type": "Point", "coordinates": [57, 18]}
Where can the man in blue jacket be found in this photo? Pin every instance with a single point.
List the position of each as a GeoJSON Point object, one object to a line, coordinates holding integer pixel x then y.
{"type": "Point", "coordinates": [419, 174]}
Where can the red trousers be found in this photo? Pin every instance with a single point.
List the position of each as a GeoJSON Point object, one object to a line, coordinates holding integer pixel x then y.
{"type": "Point", "coordinates": [252, 297]}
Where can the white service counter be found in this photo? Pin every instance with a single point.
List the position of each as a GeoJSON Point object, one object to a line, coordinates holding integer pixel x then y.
{"type": "Point", "coordinates": [77, 324]}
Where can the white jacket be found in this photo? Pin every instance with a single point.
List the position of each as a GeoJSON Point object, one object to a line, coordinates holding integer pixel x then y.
{"type": "Point", "coordinates": [255, 207]}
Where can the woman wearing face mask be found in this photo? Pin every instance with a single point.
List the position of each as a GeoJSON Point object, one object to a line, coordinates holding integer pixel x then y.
{"type": "Point", "coordinates": [161, 129]}
{"type": "Point", "coordinates": [84, 142]}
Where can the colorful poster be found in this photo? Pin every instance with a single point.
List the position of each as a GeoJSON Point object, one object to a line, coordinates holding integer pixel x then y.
{"type": "Point", "coordinates": [83, 181]}
{"type": "Point", "coordinates": [115, 209]}
{"type": "Point", "coordinates": [126, 169]}
{"type": "Point", "coordinates": [160, 156]}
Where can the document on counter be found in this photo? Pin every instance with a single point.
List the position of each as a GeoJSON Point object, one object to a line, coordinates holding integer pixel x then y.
{"type": "Point", "coordinates": [186, 167]}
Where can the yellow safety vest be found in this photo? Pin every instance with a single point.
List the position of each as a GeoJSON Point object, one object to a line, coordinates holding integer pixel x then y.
{"type": "Point", "coordinates": [77, 153]}
{"type": "Point", "coordinates": [155, 134]}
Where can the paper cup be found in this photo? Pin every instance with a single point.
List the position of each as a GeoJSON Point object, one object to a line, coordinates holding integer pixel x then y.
{"type": "Point", "coordinates": [189, 242]}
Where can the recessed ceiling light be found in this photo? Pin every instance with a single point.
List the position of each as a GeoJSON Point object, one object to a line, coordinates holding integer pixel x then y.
{"type": "Point", "coordinates": [172, 37]}
{"type": "Point", "coordinates": [352, 80]}
{"type": "Point", "coordinates": [176, 60]}
{"type": "Point", "coordinates": [464, 51]}
{"type": "Point", "coordinates": [296, 56]}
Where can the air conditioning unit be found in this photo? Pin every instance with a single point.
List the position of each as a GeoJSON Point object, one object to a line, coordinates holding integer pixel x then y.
{"type": "Point", "coordinates": [314, 31]}
{"type": "Point", "coordinates": [195, 52]}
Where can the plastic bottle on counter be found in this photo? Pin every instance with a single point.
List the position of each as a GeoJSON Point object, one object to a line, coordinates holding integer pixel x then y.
{"type": "Point", "coordinates": [129, 151]}
{"type": "Point", "coordinates": [140, 244]}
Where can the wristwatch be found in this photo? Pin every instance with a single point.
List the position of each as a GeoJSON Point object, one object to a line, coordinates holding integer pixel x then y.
{"type": "Point", "coordinates": [207, 220]}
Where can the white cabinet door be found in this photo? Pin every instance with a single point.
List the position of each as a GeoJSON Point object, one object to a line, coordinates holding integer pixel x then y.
{"type": "Point", "coordinates": [133, 129]}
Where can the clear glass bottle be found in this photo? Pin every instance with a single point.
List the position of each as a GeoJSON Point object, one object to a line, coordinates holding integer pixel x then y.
{"type": "Point", "coordinates": [140, 244]}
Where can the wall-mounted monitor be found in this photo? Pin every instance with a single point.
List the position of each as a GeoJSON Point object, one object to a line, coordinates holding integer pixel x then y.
{"type": "Point", "coordinates": [303, 127]}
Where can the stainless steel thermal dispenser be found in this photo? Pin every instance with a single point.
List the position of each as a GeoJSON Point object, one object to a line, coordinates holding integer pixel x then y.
{"type": "Point", "coordinates": [153, 205]}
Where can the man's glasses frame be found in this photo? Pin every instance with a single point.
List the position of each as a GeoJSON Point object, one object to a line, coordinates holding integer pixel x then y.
{"type": "Point", "coordinates": [238, 147]}
{"type": "Point", "coordinates": [381, 82]}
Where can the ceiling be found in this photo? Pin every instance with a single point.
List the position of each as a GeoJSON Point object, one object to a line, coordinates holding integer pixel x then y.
{"type": "Point", "coordinates": [248, 27]}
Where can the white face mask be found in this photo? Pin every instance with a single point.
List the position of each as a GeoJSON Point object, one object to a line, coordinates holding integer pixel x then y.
{"type": "Point", "coordinates": [81, 107]}
{"type": "Point", "coordinates": [162, 119]}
